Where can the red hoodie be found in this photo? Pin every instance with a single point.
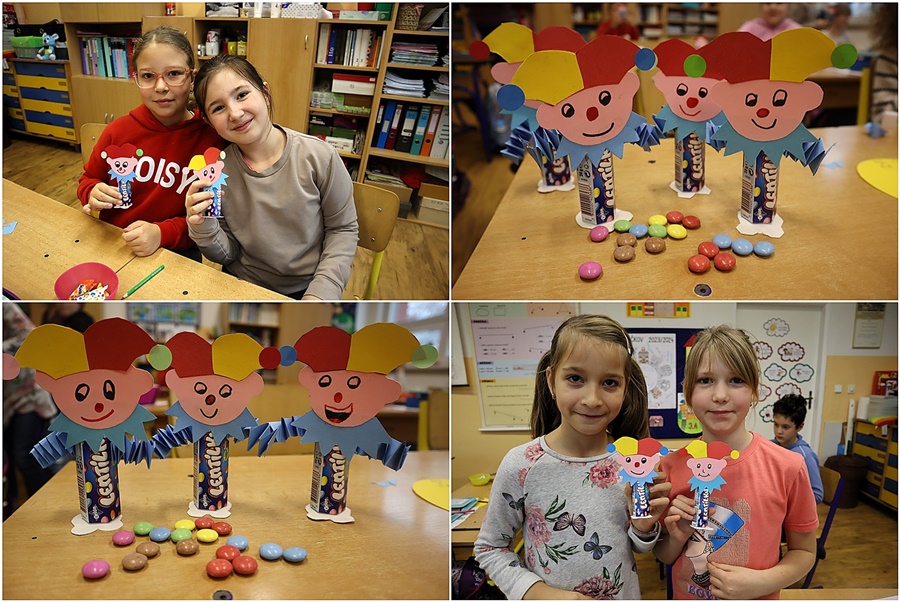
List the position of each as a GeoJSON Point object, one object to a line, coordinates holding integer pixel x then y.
{"type": "Point", "coordinates": [162, 174]}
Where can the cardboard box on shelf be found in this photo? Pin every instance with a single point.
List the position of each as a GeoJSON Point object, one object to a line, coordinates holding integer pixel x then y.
{"type": "Point", "coordinates": [435, 211]}
{"type": "Point", "coordinates": [403, 192]}
{"type": "Point", "coordinates": [435, 191]}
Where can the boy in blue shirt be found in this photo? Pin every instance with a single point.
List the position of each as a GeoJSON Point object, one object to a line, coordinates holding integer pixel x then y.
{"type": "Point", "coordinates": [789, 414]}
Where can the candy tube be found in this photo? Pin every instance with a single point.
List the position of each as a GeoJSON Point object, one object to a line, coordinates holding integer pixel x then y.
{"type": "Point", "coordinates": [124, 187]}
{"type": "Point", "coordinates": [329, 483]}
{"type": "Point", "coordinates": [640, 497]}
{"type": "Point", "coordinates": [690, 164]}
{"type": "Point", "coordinates": [701, 519]}
{"type": "Point", "coordinates": [596, 191]}
{"type": "Point", "coordinates": [98, 483]}
{"type": "Point", "coordinates": [210, 474]}
{"type": "Point", "coordinates": [556, 173]}
{"type": "Point", "coordinates": [759, 190]}
{"type": "Point", "coordinates": [214, 210]}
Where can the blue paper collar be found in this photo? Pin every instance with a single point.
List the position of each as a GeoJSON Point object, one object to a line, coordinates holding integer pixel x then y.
{"type": "Point", "coordinates": [76, 433]}
{"type": "Point", "coordinates": [667, 120]}
{"type": "Point", "coordinates": [366, 437]}
{"type": "Point", "coordinates": [594, 152]}
{"type": "Point", "coordinates": [219, 431]}
{"type": "Point", "coordinates": [711, 485]}
{"type": "Point", "coordinates": [774, 149]}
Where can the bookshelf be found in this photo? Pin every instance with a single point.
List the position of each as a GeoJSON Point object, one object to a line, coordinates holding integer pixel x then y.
{"type": "Point", "coordinates": [656, 20]}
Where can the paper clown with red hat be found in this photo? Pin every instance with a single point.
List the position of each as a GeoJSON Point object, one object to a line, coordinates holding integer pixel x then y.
{"type": "Point", "coordinates": [213, 383]}
{"type": "Point", "coordinates": [122, 160]}
{"type": "Point", "coordinates": [208, 169]}
{"type": "Point", "coordinates": [346, 378]}
{"type": "Point", "coordinates": [94, 383]}
{"type": "Point", "coordinates": [706, 463]}
{"type": "Point", "coordinates": [638, 459]}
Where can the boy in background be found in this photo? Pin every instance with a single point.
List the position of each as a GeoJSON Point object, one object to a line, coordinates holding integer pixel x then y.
{"type": "Point", "coordinates": [789, 414]}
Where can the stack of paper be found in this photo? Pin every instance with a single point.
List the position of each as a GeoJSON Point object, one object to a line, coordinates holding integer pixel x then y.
{"type": "Point", "coordinates": [440, 88]}
{"type": "Point", "coordinates": [411, 53]}
{"type": "Point", "coordinates": [401, 86]}
{"type": "Point", "coordinates": [461, 509]}
{"type": "Point", "coordinates": [382, 174]}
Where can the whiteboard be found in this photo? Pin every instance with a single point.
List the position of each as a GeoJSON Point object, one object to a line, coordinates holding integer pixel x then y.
{"type": "Point", "coordinates": [457, 361]}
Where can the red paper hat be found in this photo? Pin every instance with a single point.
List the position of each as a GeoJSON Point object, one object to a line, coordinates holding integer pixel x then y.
{"type": "Point", "coordinates": [558, 38]}
{"type": "Point", "coordinates": [232, 355]}
{"type": "Point", "coordinates": [670, 56]}
{"type": "Point", "coordinates": [191, 354]}
{"type": "Point", "coordinates": [211, 155]}
{"type": "Point", "coordinates": [124, 150]}
{"type": "Point", "coordinates": [605, 60]}
{"type": "Point", "coordinates": [739, 56]}
{"type": "Point", "coordinates": [716, 450]}
{"type": "Point", "coordinates": [114, 343]}
{"type": "Point", "coordinates": [324, 348]}
{"type": "Point", "coordinates": [377, 348]}
{"type": "Point", "coordinates": [515, 42]}
{"type": "Point", "coordinates": [628, 446]}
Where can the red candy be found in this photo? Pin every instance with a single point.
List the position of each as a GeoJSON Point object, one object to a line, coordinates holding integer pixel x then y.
{"type": "Point", "coordinates": [691, 222]}
{"type": "Point", "coordinates": [244, 565]}
{"type": "Point", "coordinates": [222, 528]}
{"type": "Point", "coordinates": [218, 568]}
{"type": "Point", "coordinates": [698, 264]}
{"type": "Point", "coordinates": [708, 248]}
{"type": "Point", "coordinates": [724, 262]}
{"type": "Point", "coordinates": [228, 553]}
{"type": "Point", "coordinates": [204, 523]}
{"type": "Point", "coordinates": [674, 217]}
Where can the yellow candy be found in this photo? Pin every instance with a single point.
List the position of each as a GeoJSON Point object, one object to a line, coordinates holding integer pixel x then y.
{"type": "Point", "coordinates": [207, 535]}
{"type": "Point", "coordinates": [185, 524]}
{"type": "Point", "coordinates": [676, 231]}
{"type": "Point", "coordinates": [657, 219]}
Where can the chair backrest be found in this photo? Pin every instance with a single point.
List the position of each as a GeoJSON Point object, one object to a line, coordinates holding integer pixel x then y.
{"type": "Point", "coordinates": [376, 211]}
{"type": "Point", "coordinates": [90, 133]}
{"type": "Point", "coordinates": [833, 487]}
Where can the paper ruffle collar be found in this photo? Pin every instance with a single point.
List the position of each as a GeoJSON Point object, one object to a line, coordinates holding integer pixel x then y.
{"type": "Point", "coordinates": [198, 430]}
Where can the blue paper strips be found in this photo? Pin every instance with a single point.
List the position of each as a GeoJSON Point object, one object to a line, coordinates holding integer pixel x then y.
{"type": "Point", "coordinates": [712, 128]}
{"type": "Point", "coordinates": [874, 130]}
{"type": "Point", "coordinates": [648, 135]}
{"type": "Point", "coordinates": [813, 154]}
{"type": "Point", "coordinates": [137, 451]}
{"type": "Point", "coordinates": [50, 449]}
{"type": "Point", "coordinates": [539, 144]}
{"type": "Point", "coordinates": [168, 438]}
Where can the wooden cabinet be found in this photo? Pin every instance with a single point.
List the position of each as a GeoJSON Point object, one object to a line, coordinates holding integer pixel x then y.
{"type": "Point", "coordinates": [878, 447]}
{"type": "Point", "coordinates": [37, 94]}
{"type": "Point", "coordinates": [182, 24]}
{"type": "Point", "coordinates": [102, 99]}
{"type": "Point", "coordinates": [109, 12]}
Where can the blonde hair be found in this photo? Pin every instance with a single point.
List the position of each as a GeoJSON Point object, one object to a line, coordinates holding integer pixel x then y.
{"type": "Point", "coordinates": [632, 420]}
{"type": "Point", "coordinates": [728, 344]}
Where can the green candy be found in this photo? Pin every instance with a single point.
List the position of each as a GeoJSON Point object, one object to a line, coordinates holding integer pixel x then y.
{"type": "Point", "coordinates": [142, 528]}
{"type": "Point", "coordinates": [622, 225]}
{"type": "Point", "coordinates": [657, 230]}
{"type": "Point", "coordinates": [179, 534]}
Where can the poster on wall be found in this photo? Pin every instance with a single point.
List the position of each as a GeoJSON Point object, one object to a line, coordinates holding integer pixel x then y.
{"type": "Point", "coordinates": [509, 340]}
{"type": "Point", "coordinates": [655, 354]}
{"type": "Point", "coordinates": [868, 325]}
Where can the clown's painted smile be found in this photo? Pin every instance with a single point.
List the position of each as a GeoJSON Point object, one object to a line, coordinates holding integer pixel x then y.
{"type": "Point", "coordinates": [683, 110]}
{"type": "Point", "coordinates": [338, 415]}
{"type": "Point", "coordinates": [762, 127]}
{"type": "Point", "coordinates": [603, 133]}
{"type": "Point", "coordinates": [104, 417]}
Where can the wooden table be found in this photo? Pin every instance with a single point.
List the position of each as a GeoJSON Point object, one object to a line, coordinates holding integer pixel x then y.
{"type": "Point", "coordinates": [532, 248]}
{"type": "Point", "coordinates": [462, 537]}
{"type": "Point", "coordinates": [397, 548]}
{"type": "Point", "coordinates": [50, 238]}
{"type": "Point", "coordinates": [853, 593]}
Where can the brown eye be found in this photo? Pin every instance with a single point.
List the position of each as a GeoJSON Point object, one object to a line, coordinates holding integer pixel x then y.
{"type": "Point", "coordinates": [568, 111]}
{"type": "Point", "coordinates": [681, 90]}
{"type": "Point", "coordinates": [200, 388]}
{"type": "Point", "coordinates": [605, 98]}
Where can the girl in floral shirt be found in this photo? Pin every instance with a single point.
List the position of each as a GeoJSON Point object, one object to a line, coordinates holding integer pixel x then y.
{"type": "Point", "coordinates": [562, 488]}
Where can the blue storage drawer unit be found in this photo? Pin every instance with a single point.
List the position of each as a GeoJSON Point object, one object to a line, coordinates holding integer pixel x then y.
{"type": "Point", "coordinates": [16, 124]}
{"type": "Point", "coordinates": [9, 79]}
{"type": "Point", "coordinates": [48, 95]}
{"type": "Point", "coordinates": [41, 69]}
{"type": "Point", "coordinates": [49, 119]}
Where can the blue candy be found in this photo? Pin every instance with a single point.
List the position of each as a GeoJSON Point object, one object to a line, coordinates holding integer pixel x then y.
{"type": "Point", "coordinates": [295, 554]}
{"type": "Point", "coordinates": [763, 248]}
{"type": "Point", "coordinates": [742, 247]}
{"type": "Point", "coordinates": [270, 551]}
{"type": "Point", "coordinates": [239, 542]}
{"type": "Point", "coordinates": [638, 230]}
{"type": "Point", "coordinates": [160, 534]}
{"type": "Point", "coordinates": [723, 241]}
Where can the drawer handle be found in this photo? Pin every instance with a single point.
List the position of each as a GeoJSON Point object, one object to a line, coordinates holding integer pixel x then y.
{"type": "Point", "coordinates": [306, 43]}
{"type": "Point", "coordinates": [106, 118]}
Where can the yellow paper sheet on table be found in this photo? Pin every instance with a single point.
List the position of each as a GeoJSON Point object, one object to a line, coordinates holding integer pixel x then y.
{"type": "Point", "coordinates": [880, 173]}
{"type": "Point", "coordinates": [434, 491]}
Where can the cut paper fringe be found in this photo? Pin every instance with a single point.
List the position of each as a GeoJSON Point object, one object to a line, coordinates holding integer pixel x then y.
{"type": "Point", "coordinates": [53, 447]}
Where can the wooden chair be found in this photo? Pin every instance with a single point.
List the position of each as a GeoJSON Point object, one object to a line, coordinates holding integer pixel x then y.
{"type": "Point", "coordinates": [434, 421]}
{"type": "Point", "coordinates": [376, 211]}
{"type": "Point", "coordinates": [833, 486]}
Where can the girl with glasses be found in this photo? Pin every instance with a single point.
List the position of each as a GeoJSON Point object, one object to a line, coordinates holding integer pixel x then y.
{"type": "Point", "coordinates": [151, 148]}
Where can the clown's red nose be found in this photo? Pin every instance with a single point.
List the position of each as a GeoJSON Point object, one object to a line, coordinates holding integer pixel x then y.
{"type": "Point", "coordinates": [338, 397]}
{"type": "Point", "coordinates": [98, 408]}
{"type": "Point", "coordinates": [762, 113]}
{"type": "Point", "coordinates": [692, 102]}
{"type": "Point", "coordinates": [210, 399]}
{"type": "Point", "coordinates": [592, 113]}
{"type": "Point", "coordinates": [637, 464]}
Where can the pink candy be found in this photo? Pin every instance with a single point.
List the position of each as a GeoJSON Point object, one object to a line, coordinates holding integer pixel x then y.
{"type": "Point", "coordinates": [590, 270]}
{"type": "Point", "coordinates": [95, 569]}
{"type": "Point", "coordinates": [599, 233]}
{"type": "Point", "coordinates": [123, 538]}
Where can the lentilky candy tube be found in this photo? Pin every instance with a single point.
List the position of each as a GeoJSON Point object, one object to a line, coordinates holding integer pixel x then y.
{"type": "Point", "coordinates": [690, 163]}
{"type": "Point", "coordinates": [215, 209]}
{"type": "Point", "coordinates": [329, 482]}
{"type": "Point", "coordinates": [98, 485]}
{"type": "Point", "coordinates": [759, 190]}
{"type": "Point", "coordinates": [557, 172]}
{"type": "Point", "coordinates": [210, 473]}
{"type": "Point", "coordinates": [596, 191]}
{"type": "Point", "coordinates": [124, 187]}
{"type": "Point", "coordinates": [640, 497]}
{"type": "Point", "coordinates": [701, 518]}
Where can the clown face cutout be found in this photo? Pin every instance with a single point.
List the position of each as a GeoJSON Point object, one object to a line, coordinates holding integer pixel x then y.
{"type": "Point", "coordinates": [637, 466]}
{"type": "Point", "coordinates": [766, 110]}
{"type": "Point", "coordinates": [97, 399]}
{"type": "Point", "coordinates": [688, 97]}
{"type": "Point", "coordinates": [209, 173]}
{"type": "Point", "coordinates": [121, 159]}
{"type": "Point", "coordinates": [593, 115]}
{"type": "Point", "coordinates": [347, 397]}
{"type": "Point", "coordinates": [212, 399]}
{"type": "Point", "coordinates": [706, 469]}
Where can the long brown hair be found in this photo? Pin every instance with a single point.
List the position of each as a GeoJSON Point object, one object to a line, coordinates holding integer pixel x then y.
{"type": "Point", "coordinates": [728, 344]}
{"type": "Point", "coordinates": [632, 420]}
{"type": "Point", "coordinates": [240, 66]}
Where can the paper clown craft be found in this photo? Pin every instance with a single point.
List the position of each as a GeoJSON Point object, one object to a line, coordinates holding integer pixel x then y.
{"type": "Point", "coordinates": [213, 382]}
{"type": "Point", "coordinates": [346, 377]}
{"type": "Point", "coordinates": [96, 387]}
{"type": "Point", "coordinates": [765, 96]}
{"type": "Point", "coordinates": [541, 145]}
{"type": "Point", "coordinates": [122, 161]}
{"type": "Point", "coordinates": [706, 462]}
{"type": "Point", "coordinates": [208, 169]}
{"type": "Point", "coordinates": [689, 112]}
{"type": "Point", "coordinates": [587, 96]}
{"type": "Point", "coordinates": [638, 460]}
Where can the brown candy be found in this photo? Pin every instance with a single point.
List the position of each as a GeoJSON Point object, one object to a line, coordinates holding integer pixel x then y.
{"type": "Point", "coordinates": [148, 549]}
{"type": "Point", "coordinates": [624, 254]}
{"type": "Point", "coordinates": [626, 239]}
{"type": "Point", "coordinates": [187, 547]}
{"type": "Point", "coordinates": [655, 245]}
{"type": "Point", "coordinates": [134, 562]}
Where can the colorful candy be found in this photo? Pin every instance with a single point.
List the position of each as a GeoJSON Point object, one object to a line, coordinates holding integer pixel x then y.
{"type": "Point", "coordinates": [724, 262]}
{"type": "Point", "coordinates": [655, 245]}
{"type": "Point", "coordinates": [657, 220]}
{"type": "Point", "coordinates": [134, 562]}
{"type": "Point", "coordinates": [626, 239]}
{"type": "Point", "coordinates": [160, 534]}
{"type": "Point", "coordinates": [187, 547]}
{"type": "Point", "coordinates": [270, 551]}
{"type": "Point", "coordinates": [599, 233]}
{"type": "Point", "coordinates": [185, 523]}
{"type": "Point", "coordinates": [142, 528]}
{"type": "Point", "coordinates": [204, 523]}
{"type": "Point", "coordinates": [742, 247]}
{"type": "Point", "coordinates": [238, 541]}
{"type": "Point", "coordinates": [698, 264]}
{"type": "Point", "coordinates": [123, 538]}
{"type": "Point", "coordinates": [179, 534]}
{"type": "Point", "coordinates": [222, 528]}
{"type": "Point", "coordinates": [148, 549]}
{"type": "Point", "coordinates": [295, 555]}
{"type": "Point", "coordinates": [244, 565]}
{"type": "Point", "coordinates": [676, 231]}
{"type": "Point", "coordinates": [229, 553]}
{"type": "Point", "coordinates": [95, 569]}
{"type": "Point", "coordinates": [723, 241]}
{"type": "Point", "coordinates": [624, 254]}
{"type": "Point", "coordinates": [674, 217]}
{"type": "Point", "coordinates": [657, 230]}
{"type": "Point", "coordinates": [590, 270]}
{"type": "Point", "coordinates": [707, 248]}
{"type": "Point", "coordinates": [639, 230]}
{"type": "Point", "coordinates": [219, 568]}
{"type": "Point", "coordinates": [764, 248]}
{"type": "Point", "coordinates": [691, 222]}
{"type": "Point", "coordinates": [207, 535]}
{"type": "Point", "coordinates": [622, 225]}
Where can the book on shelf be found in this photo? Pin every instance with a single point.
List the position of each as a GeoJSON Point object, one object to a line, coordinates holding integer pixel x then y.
{"type": "Point", "coordinates": [419, 133]}
{"type": "Point", "coordinates": [388, 118]}
{"type": "Point", "coordinates": [350, 47]}
{"type": "Point", "coordinates": [395, 126]}
{"type": "Point", "coordinates": [430, 130]}
{"type": "Point", "coordinates": [106, 56]}
{"type": "Point", "coordinates": [407, 129]}
{"type": "Point", "coordinates": [441, 145]}
{"type": "Point", "coordinates": [348, 83]}
{"type": "Point", "coordinates": [259, 314]}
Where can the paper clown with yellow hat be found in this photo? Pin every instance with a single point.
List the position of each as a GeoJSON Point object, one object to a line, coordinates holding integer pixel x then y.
{"type": "Point", "coordinates": [638, 459]}
{"type": "Point", "coordinates": [208, 169]}
{"type": "Point", "coordinates": [346, 378]}
{"type": "Point", "coordinates": [94, 383]}
{"type": "Point", "coordinates": [213, 383]}
{"type": "Point", "coordinates": [706, 463]}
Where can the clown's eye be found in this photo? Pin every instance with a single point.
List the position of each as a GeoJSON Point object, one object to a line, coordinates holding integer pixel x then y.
{"type": "Point", "coordinates": [124, 164]}
{"type": "Point", "coordinates": [82, 391]}
{"type": "Point", "coordinates": [779, 98]}
{"type": "Point", "coordinates": [118, 164]}
{"type": "Point", "coordinates": [709, 466]}
{"type": "Point", "coordinates": [628, 460]}
{"type": "Point", "coordinates": [751, 99]}
{"type": "Point", "coordinates": [604, 98]}
{"type": "Point", "coordinates": [643, 460]}
{"type": "Point", "coordinates": [681, 90]}
{"type": "Point", "coordinates": [225, 391]}
{"type": "Point", "coordinates": [200, 388]}
{"type": "Point", "coordinates": [568, 111]}
{"type": "Point", "coordinates": [325, 381]}
{"type": "Point", "coordinates": [702, 92]}
{"type": "Point", "coordinates": [353, 382]}
{"type": "Point", "coordinates": [212, 171]}
{"type": "Point", "coordinates": [109, 390]}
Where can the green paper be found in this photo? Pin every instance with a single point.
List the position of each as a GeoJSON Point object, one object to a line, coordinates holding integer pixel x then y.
{"type": "Point", "coordinates": [425, 356]}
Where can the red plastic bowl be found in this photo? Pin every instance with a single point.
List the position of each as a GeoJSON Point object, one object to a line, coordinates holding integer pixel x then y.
{"type": "Point", "coordinates": [68, 280]}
